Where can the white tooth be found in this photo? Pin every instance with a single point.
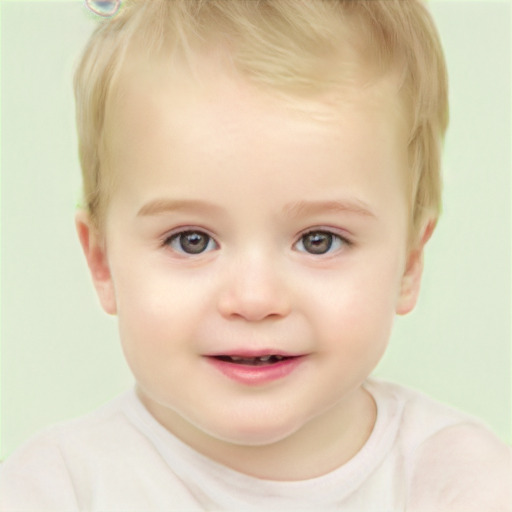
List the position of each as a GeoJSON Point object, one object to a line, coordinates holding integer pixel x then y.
{"type": "Point", "coordinates": [235, 358]}
{"type": "Point", "coordinates": [265, 358]}
{"type": "Point", "coordinates": [279, 358]}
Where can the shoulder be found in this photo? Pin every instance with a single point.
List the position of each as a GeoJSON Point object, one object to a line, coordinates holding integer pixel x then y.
{"type": "Point", "coordinates": [453, 462]}
{"type": "Point", "coordinates": [108, 460]}
{"type": "Point", "coordinates": [36, 478]}
{"type": "Point", "coordinates": [463, 467]}
{"type": "Point", "coordinates": [43, 475]}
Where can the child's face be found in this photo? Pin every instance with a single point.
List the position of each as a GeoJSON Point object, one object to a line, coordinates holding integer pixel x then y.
{"type": "Point", "coordinates": [241, 228]}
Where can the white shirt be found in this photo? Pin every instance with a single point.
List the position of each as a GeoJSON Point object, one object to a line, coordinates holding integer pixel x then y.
{"type": "Point", "coordinates": [421, 457]}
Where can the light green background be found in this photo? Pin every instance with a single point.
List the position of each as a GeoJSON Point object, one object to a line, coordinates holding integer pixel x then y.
{"type": "Point", "coordinates": [60, 352]}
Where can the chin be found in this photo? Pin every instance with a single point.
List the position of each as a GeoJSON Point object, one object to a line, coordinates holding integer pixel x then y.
{"type": "Point", "coordinates": [253, 433]}
{"type": "Point", "coordinates": [254, 439]}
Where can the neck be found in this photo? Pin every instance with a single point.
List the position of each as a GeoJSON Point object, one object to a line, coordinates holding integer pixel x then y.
{"type": "Point", "coordinates": [325, 442]}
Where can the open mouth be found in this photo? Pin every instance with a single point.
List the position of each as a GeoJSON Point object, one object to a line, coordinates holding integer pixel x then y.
{"type": "Point", "coordinates": [250, 369]}
{"type": "Point", "coordinates": [254, 361]}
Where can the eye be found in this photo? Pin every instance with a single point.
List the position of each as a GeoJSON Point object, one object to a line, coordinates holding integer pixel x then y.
{"type": "Point", "coordinates": [320, 242]}
{"type": "Point", "coordinates": [191, 242]}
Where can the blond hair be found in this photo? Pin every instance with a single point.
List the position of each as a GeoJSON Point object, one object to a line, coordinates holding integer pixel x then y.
{"type": "Point", "coordinates": [302, 46]}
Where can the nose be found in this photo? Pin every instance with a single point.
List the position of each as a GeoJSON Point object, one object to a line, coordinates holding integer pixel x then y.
{"type": "Point", "coordinates": [254, 289]}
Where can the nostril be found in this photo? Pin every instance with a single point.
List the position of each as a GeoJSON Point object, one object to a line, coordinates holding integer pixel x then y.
{"type": "Point", "coordinates": [254, 289]}
{"type": "Point", "coordinates": [253, 307]}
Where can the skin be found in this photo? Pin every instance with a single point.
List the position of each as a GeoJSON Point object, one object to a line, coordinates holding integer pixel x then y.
{"type": "Point", "coordinates": [254, 175]}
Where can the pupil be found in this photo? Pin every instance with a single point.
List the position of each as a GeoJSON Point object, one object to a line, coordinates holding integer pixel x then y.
{"type": "Point", "coordinates": [318, 242]}
{"type": "Point", "coordinates": [193, 242]}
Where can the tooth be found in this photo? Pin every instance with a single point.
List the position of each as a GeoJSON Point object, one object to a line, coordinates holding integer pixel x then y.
{"type": "Point", "coordinates": [264, 359]}
{"type": "Point", "coordinates": [235, 358]}
{"type": "Point", "coordinates": [279, 358]}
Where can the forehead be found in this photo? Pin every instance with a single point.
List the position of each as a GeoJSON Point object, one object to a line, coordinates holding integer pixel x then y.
{"type": "Point", "coordinates": [208, 87]}
{"type": "Point", "coordinates": [173, 120]}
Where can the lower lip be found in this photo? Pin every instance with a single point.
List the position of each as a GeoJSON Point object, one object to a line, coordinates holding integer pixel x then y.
{"type": "Point", "coordinates": [256, 375]}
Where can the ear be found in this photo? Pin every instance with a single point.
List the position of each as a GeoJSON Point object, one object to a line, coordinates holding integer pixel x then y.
{"type": "Point", "coordinates": [411, 279]}
{"type": "Point", "coordinates": [96, 256]}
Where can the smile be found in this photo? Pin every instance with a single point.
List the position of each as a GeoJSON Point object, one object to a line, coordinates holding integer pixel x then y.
{"type": "Point", "coordinates": [256, 370]}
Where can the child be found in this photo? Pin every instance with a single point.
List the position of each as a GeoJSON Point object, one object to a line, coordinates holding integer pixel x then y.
{"type": "Point", "coordinates": [260, 180]}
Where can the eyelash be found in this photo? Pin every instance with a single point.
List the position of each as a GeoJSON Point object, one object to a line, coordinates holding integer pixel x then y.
{"type": "Point", "coordinates": [208, 240]}
{"type": "Point", "coordinates": [333, 238]}
{"type": "Point", "coordinates": [176, 237]}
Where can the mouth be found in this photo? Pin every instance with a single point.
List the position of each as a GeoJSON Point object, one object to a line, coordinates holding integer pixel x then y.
{"type": "Point", "coordinates": [256, 369]}
{"type": "Point", "coordinates": [265, 360]}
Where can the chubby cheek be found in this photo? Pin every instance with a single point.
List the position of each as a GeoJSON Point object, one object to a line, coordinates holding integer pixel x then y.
{"type": "Point", "coordinates": [157, 320]}
{"type": "Point", "coordinates": [357, 311]}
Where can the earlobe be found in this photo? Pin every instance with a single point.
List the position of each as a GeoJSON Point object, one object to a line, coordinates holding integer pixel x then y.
{"type": "Point", "coordinates": [411, 280]}
{"type": "Point", "coordinates": [95, 254]}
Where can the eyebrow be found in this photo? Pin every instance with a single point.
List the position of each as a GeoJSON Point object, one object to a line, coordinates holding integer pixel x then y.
{"type": "Point", "coordinates": [161, 206]}
{"type": "Point", "coordinates": [353, 206]}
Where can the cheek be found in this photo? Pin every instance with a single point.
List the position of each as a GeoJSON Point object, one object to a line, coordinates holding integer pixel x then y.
{"type": "Point", "coordinates": [157, 314]}
{"type": "Point", "coordinates": [157, 336]}
{"type": "Point", "coordinates": [357, 306]}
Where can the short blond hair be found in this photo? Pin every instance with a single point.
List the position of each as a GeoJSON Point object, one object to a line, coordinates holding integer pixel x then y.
{"type": "Point", "coordinates": [301, 46]}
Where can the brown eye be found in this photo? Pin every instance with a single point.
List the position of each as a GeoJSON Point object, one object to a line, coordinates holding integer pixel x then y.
{"type": "Point", "coordinates": [191, 242]}
{"type": "Point", "coordinates": [320, 242]}
{"type": "Point", "coordinates": [317, 242]}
